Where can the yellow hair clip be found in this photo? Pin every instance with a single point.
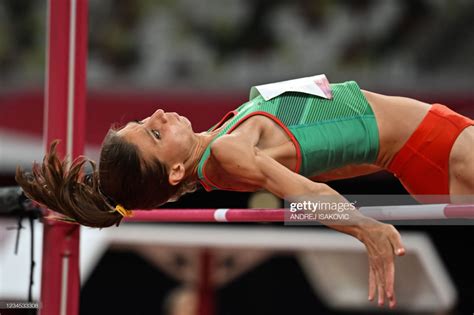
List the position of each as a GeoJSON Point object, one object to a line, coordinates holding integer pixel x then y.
{"type": "Point", "coordinates": [124, 212]}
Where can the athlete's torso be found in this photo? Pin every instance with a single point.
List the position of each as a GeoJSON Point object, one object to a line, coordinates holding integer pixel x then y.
{"type": "Point", "coordinates": [306, 134]}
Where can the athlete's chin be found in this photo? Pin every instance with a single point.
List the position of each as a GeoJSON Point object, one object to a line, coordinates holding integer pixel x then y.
{"type": "Point", "coordinates": [186, 120]}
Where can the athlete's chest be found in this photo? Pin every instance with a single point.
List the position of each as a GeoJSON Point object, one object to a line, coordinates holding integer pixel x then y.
{"type": "Point", "coordinates": [260, 132]}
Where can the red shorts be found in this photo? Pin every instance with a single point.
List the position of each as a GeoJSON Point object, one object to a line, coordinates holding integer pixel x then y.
{"type": "Point", "coordinates": [422, 164]}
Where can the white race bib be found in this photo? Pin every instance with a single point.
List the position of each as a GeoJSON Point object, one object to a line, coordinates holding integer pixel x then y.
{"type": "Point", "coordinates": [316, 85]}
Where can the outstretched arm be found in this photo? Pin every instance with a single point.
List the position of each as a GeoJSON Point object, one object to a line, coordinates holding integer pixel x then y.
{"type": "Point", "coordinates": [383, 242]}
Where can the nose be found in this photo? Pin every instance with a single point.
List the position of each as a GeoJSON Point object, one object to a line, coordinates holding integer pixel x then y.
{"type": "Point", "coordinates": [160, 115]}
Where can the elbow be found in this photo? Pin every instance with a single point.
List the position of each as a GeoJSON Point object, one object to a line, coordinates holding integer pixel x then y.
{"type": "Point", "coordinates": [320, 189]}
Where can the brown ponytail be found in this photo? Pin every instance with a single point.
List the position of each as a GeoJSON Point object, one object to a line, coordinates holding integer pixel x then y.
{"type": "Point", "coordinates": [65, 189]}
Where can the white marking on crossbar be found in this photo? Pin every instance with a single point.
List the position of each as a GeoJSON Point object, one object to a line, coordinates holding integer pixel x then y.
{"type": "Point", "coordinates": [220, 215]}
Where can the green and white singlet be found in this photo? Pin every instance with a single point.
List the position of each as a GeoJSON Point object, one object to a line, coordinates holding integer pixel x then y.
{"type": "Point", "coordinates": [327, 133]}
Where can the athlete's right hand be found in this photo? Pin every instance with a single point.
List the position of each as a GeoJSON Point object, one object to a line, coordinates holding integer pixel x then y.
{"type": "Point", "coordinates": [383, 243]}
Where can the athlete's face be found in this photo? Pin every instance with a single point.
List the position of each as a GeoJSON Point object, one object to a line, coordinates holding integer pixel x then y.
{"type": "Point", "coordinates": [166, 136]}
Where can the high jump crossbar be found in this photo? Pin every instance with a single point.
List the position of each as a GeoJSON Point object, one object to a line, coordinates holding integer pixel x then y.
{"type": "Point", "coordinates": [404, 212]}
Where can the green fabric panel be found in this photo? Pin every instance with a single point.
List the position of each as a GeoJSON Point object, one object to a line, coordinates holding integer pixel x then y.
{"type": "Point", "coordinates": [331, 133]}
{"type": "Point", "coordinates": [332, 144]}
{"type": "Point", "coordinates": [291, 108]}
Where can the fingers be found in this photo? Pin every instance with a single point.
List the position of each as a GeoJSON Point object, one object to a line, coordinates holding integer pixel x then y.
{"type": "Point", "coordinates": [397, 244]}
{"type": "Point", "coordinates": [381, 280]}
{"type": "Point", "coordinates": [399, 250]}
{"type": "Point", "coordinates": [382, 251]}
{"type": "Point", "coordinates": [379, 274]}
{"type": "Point", "coordinates": [390, 283]}
{"type": "Point", "coordinates": [377, 280]}
{"type": "Point", "coordinates": [372, 284]}
{"type": "Point", "coordinates": [381, 293]}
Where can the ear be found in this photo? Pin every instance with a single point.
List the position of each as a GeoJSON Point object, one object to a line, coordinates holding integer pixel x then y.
{"type": "Point", "coordinates": [176, 174]}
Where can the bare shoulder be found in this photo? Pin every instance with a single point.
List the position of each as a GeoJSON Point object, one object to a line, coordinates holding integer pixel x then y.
{"type": "Point", "coordinates": [235, 160]}
{"type": "Point", "coordinates": [232, 153]}
{"type": "Point", "coordinates": [225, 148]}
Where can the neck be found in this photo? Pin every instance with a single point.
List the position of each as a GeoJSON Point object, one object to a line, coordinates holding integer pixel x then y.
{"type": "Point", "coordinates": [202, 142]}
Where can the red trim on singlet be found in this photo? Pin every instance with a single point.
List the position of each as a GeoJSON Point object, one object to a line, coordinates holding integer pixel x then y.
{"type": "Point", "coordinates": [224, 119]}
{"type": "Point", "coordinates": [273, 118]}
{"type": "Point", "coordinates": [205, 185]}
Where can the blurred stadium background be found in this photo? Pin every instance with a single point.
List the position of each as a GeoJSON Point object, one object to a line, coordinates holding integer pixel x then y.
{"type": "Point", "coordinates": [200, 59]}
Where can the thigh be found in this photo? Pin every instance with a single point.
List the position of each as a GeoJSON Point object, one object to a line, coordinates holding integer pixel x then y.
{"type": "Point", "coordinates": [461, 165]}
